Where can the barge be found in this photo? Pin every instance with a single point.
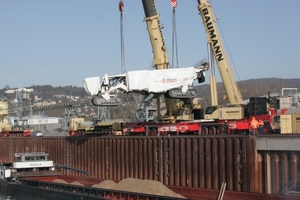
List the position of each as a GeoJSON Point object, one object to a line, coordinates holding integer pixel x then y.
{"type": "Point", "coordinates": [193, 166]}
{"type": "Point", "coordinates": [27, 165]}
{"type": "Point", "coordinates": [47, 188]}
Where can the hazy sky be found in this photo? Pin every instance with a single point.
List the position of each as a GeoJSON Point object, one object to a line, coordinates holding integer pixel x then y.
{"type": "Point", "coordinates": [61, 42]}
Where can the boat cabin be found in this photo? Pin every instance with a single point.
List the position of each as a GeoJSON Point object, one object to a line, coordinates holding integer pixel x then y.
{"type": "Point", "coordinates": [27, 165]}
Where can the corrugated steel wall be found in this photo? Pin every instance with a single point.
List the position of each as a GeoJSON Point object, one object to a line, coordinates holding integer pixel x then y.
{"type": "Point", "coordinates": [276, 170]}
{"type": "Point", "coordinates": [204, 162]}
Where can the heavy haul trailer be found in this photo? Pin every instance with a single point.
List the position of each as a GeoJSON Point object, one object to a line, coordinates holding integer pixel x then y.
{"type": "Point", "coordinates": [197, 126]}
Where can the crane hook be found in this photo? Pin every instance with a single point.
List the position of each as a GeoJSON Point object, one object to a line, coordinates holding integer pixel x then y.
{"type": "Point", "coordinates": [121, 6]}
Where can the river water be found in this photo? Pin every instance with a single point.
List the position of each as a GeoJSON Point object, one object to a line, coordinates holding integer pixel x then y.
{"type": "Point", "coordinates": [5, 196]}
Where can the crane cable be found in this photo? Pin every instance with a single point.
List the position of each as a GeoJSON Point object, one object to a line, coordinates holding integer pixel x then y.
{"type": "Point", "coordinates": [121, 8]}
{"type": "Point", "coordinates": [174, 33]}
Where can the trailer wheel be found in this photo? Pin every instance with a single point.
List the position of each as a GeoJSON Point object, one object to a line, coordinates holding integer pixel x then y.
{"type": "Point", "coordinates": [212, 130]}
{"type": "Point", "coordinates": [266, 129]}
{"type": "Point", "coordinates": [199, 132]}
{"type": "Point", "coordinates": [153, 132]}
{"type": "Point", "coordinates": [204, 131]}
{"type": "Point", "coordinates": [219, 130]}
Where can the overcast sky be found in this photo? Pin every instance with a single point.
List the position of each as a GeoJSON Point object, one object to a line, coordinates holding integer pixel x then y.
{"type": "Point", "coordinates": [61, 42]}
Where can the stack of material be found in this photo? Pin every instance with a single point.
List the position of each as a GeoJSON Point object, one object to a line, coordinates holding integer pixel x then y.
{"type": "Point", "coordinates": [139, 186]}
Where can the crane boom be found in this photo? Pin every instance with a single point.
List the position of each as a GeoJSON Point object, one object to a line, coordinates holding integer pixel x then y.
{"type": "Point", "coordinates": [175, 112]}
{"type": "Point", "coordinates": [213, 37]}
{"type": "Point", "coordinates": [160, 59]}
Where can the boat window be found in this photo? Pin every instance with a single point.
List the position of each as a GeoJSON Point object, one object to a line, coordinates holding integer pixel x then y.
{"type": "Point", "coordinates": [29, 158]}
{"type": "Point", "coordinates": [40, 158]}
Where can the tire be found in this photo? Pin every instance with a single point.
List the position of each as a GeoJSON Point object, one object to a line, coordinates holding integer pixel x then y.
{"type": "Point", "coordinates": [153, 132]}
{"type": "Point", "coordinates": [204, 131]}
{"type": "Point", "coordinates": [266, 129]}
{"type": "Point", "coordinates": [81, 133]}
{"type": "Point", "coordinates": [212, 130]}
{"type": "Point", "coordinates": [219, 130]}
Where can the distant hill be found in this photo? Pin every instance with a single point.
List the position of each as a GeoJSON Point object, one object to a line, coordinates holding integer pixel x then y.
{"type": "Point", "coordinates": [248, 88]}
{"type": "Point", "coordinates": [48, 91]}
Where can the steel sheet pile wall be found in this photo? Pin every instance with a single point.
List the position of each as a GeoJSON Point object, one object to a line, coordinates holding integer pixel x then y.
{"type": "Point", "coordinates": [203, 162]}
{"type": "Point", "coordinates": [207, 162]}
{"type": "Point", "coordinates": [56, 147]}
{"type": "Point", "coordinates": [199, 162]}
{"type": "Point", "coordinates": [117, 157]}
{"type": "Point", "coordinates": [277, 171]}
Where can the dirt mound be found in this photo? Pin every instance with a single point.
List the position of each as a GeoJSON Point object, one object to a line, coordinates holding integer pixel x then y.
{"type": "Point", "coordinates": [107, 184]}
{"type": "Point", "coordinates": [133, 185]}
{"type": "Point", "coordinates": [76, 183]}
{"type": "Point", "coordinates": [59, 181]}
{"type": "Point", "coordinates": [63, 181]}
{"type": "Point", "coordinates": [139, 186]}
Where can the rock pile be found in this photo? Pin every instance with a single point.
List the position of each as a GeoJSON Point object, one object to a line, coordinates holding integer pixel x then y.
{"type": "Point", "coordinates": [139, 186]}
{"type": "Point", "coordinates": [133, 185]}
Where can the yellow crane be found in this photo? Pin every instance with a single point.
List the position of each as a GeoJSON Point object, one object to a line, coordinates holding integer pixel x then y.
{"type": "Point", "coordinates": [235, 110]}
{"type": "Point", "coordinates": [179, 106]}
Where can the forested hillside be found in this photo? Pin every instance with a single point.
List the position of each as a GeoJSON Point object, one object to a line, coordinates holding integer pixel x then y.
{"type": "Point", "coordinates": [250, 88]}
{"type": "Point", "coordinates": [48, 93]}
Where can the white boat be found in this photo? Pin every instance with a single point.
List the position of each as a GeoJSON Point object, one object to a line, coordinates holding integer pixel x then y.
{"type": "Point", "coordinates": [27, 165]}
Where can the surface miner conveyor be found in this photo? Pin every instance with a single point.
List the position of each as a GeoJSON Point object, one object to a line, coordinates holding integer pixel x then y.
{"type": "Point", "coordinates": [175, 83]}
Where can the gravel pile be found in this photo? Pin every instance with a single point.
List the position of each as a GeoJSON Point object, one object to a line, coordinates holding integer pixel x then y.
{"type": "Point", "coordinates": [59, 181]}
{"type": "Point", "coordinates": [107, 184]}
{"type": "Point", "coordinates": [139, 186]}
